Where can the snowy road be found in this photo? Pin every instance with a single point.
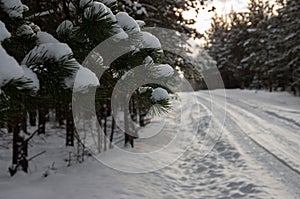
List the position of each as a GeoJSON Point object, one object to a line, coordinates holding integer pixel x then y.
{"type": "Point", "coordinates": [265, 129]}
{"type": "Point", "coordinates": [257, 156]}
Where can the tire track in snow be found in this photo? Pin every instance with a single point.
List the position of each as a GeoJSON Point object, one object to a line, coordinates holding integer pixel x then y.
{"type": "Point", "coordinates": [271, 110]}
{"type": "Point", "coordinates": [260, 132]}
{"type": "Point", "coordinates": [265, 164]}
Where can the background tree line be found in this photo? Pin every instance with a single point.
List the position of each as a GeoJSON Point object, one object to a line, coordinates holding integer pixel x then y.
{"type": "Point", "coordinates": [258, 49]}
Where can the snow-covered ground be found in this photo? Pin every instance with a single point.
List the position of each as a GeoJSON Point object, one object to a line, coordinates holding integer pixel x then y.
{"type": "Point", "coordinates": [257, 155]}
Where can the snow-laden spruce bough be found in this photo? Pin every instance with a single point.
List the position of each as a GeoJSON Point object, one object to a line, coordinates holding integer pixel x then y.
{"type": "Point", "coordinates": [38, 69]}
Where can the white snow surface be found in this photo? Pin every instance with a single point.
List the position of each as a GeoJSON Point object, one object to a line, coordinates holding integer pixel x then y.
{"type": "Point", "coordinates": [159, 94]}
{"type": "Point", "coordinates": [44, 38]}
{"type": "Point", "coordinates": [9, 68]}
{"type": "Point", "coordinates": [98, 8]}
{"type": "Point", "coordinates": [254, 157]}
{"type": "Point", "coordinates": [163, 71]}
{"type": "Point", "coordinates": [94, 8]}
{"type": "Point", "coordinates": [141, 23]}
{"type": "Point", "coordinates": [4, 34]}
{"type": "Point", "coordinates": [14, 8]}
{"type": "Point", "coordinates": [109, 2]}
{"type": "Point", "coordinates": [85, 3]}
{"type": "Point", "coordinates": [127, 22]}
{"type": "Point", "coordinates": [150, 41]}
{"type": "Point", "coordinates": [29, 75]}
{"type": "Point", "coordinates": [82, 79]}
{"type": "Point", "coordinates": [48, 50]}
{"type": "Point", "coordinates": [65, 26]}
{"type": "Point", "coordinates": [148, 60]}
{"type": "Point", "coordinates": [111, 15]}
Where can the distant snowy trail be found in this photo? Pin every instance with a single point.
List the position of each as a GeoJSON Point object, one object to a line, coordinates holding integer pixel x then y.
{"type": "Point", "coordinates": [257, 156]}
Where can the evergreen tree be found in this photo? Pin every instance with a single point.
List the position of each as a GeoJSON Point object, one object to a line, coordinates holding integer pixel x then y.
{"type": "Point", "coordinates": [288, 46]}
{"type": "Point", "coordinates": [18, 85]}
{"type": "Point", "coordinates": [50, 54]}
{"type": "Point", "coordinates": [258, 48]}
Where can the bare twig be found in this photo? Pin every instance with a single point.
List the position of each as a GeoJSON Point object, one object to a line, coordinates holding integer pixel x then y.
{"type": "Point", "coordinates": [41, 153]}
{"type": "Point", "coordinates": [31, 136]}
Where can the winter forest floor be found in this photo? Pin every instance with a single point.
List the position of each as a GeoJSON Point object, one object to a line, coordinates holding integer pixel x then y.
{"type": "Point", "coordinates": [257, 155]}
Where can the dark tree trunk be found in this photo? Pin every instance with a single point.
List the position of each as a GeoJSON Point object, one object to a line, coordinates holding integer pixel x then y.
{"type": "Point", "coordinates": [142, 114]}
{"type": "Point", "coordinates": [32, 118]}
{"type": "Point", "coordinates": [59, 114]}
{"type": "Point", "coordinates": [105, 126]}
{"type": "Point", "coordinates": [128, 138]}
{"type": "Point", "coordinates": [42, 120]}
{"type": "Point", "coordinates": [270, 83]}
{"type": "Point", "coordinates": [112, 132]}
{"type": "Point", "coordinates": [9, 128]}
{"type": "Point", "coordinates": [16, 143]}
{"type": "Point", "coordinates": [24, 122]}
{"type": "Point", "coordinates": [133, 109]}
{"type": "Point", "coordinates": [20, 147]}
{"type": "Point", "coordinates": [70, 127]}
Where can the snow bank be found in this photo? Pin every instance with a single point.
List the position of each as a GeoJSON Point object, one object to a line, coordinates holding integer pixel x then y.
{"type": "Point", "coordinates": [4, 34]}
{"type": "Point", "coordinates": [159, 94]}
{"type": "Point", "coordinates": [150, 41]}
{"type": "Point", "coordinates": [29, 75]}
{"type": "Point", "coordinates": [14, 8]}
{"type": "Point", "coordinates": [9, 68]}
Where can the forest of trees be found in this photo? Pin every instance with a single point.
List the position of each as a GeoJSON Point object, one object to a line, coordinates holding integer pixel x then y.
{"type": "Point", "coordinates": [259, 49]}
{"type": "Point", "coordinates": [43, 44]}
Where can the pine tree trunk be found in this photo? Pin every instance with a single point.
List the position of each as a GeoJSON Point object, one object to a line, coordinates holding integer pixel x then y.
{"type": "Point", "coordinates": [16, 141]}
{"type": "Point", "coordinates": [20, 146]}
{"type": "Point", "coordinates": [270, 83]}
{"type": "Point", "coordinates": [105, 127]}
{"type": "Point", "coordinates": [32, 118]}
{"type": "Point", "coordinates": [70, 127]}
{"type": "Point", "coordinates": [24, 122]}
{"type": "Point", "coordinates": [9, 128]}
{"type": "Point", "coordinates": [112, 132]}
{"type": "Point", "coordinates": [128, 138]}
{"type": "Point", "coordinates": [142, 117]}
{"type": "Point", "coordinates": [59, 113]}
{"type": "Point", "coordinates": [42, 120]}
{"type": "Point", "coordinates": [133, 109]}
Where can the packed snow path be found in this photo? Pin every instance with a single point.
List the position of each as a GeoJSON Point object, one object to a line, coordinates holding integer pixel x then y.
{"type": "Point", "coordinates": [257, 156]}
